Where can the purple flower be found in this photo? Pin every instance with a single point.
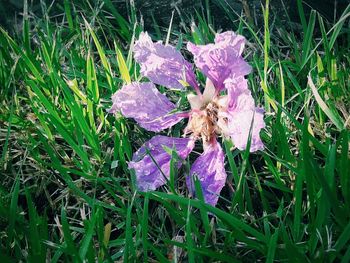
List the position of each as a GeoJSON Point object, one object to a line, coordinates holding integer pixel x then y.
{"type": "Point", "coordinates": [225, 109]}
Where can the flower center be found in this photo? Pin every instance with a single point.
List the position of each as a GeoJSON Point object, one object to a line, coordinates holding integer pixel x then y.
{"type": "Point", "coordinates": [203, 122]}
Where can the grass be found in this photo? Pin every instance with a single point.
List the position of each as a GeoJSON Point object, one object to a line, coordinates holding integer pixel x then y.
{"type": "Point", "coordinates": [66, 192]}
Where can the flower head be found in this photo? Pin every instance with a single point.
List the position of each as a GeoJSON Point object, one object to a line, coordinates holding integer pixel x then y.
{"type": "Point", "coordinates": [225, 109]}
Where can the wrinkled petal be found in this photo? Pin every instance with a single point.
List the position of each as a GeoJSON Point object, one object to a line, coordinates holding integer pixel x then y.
{"type": "Point", "coordinates": [239, 126]}
{"type": "Point", "coordinates": [163, 65]}
{"type": "Point", "coordinates": [238, 94]}
{"type": "Point", "coordinates": [148, 175]}
{"type": "Point", "coordinates": [210, 171]}
{"type": "Point", "coordinates": [220, 60]}
{"type": "Point", "coordinates": [240, 113]}
{"type": "Point", "coordinates": [144, 103]}
{"type": "Point", "coordinates": [229, 38]}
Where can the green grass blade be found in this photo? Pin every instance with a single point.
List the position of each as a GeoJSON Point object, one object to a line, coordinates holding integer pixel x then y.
{"type": "Point", "coordinates": [338, 26]}
{"type": "Point", "coordinates": [306, 48]}
{"type": "Point", "coordinates": [85, 243]}
{"type": "Point", "coordinates": [68, 13]}
{"type": "Point", "coordinates": [272, 247]}
{"type": "Point", "coordinates": [145, 219]}
{"type": "Point", "coordinates": [70, 246]}
{"type": "Point", "coordinates": [302, 15]}
{"type": "Point", "coordinates": [102, 55]}
{"type": "Point", "coordinates": [189, 239]}
{"type": "Point", "coordinates": [129, 248]}
{"type": "Point", "coordinates": [332, 115]}
{"type": "Point", "coordinates": [123, 69]}
{"type": "Point", "coordinates": [13, 209]}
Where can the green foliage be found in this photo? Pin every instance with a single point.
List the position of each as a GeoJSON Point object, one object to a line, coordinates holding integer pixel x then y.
{"type": "Point", "coordinates": [66, 192]}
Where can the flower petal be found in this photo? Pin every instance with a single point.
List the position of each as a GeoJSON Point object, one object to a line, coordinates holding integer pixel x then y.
{"type": "Point", "coordinates": [163, 65]}
{"type": "Point", "coordinates": [144, 103]}
{"type": "Point", "coordinates": [229, 38]}
{"type": "Point", "coordinates": [241, 111]}
{"type": "Point", "coordinates": [239, 126]}
{"type": "Point", "coordinates": [200, 100]}
{"type": "Point", "coordinates": [238, 93]}
{"type": "Point", "coordinates": [210, 171]}
{"type": "Point", "coordinates": [209, 91]}
{"type": "Point", "coordinates": [220, 60]}
{"type": "Point", "coordinates": [148, 175]}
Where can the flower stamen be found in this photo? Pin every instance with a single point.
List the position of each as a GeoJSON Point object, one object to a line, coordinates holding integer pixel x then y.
{"type": "Point", "coordinates": [203, 122]}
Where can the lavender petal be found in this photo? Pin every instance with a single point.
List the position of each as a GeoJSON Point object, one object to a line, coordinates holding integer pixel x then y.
{"type": "Point", "coordinates": [144, 103]}
{"type": "Point", "coordinates": [210, 171]}
{"type": "Point", "coordinates": [220, 60]}
{"type": "Point", "coordinates": [242, 114]}
{"type": "Point", "coordinates": [150, 175]}
{"type": "Point", "coordinates": [163, 65]}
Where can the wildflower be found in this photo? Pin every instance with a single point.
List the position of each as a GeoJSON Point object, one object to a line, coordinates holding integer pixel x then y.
{"type": "Point", "coordinates": [225, 109]}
